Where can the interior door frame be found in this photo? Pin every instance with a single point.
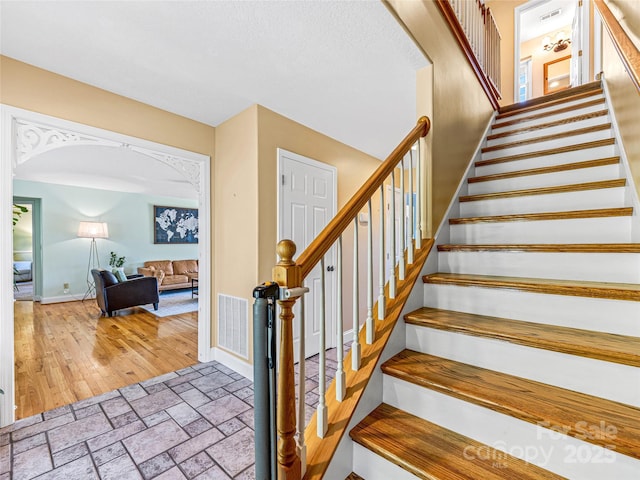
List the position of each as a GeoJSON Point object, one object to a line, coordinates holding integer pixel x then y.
{"type": "Point", "coordinates": [9, 152]}
{"type": "Point", "coordinates": [281, 155]}
{"type": "Point", "coordinates": [517, 12]}
{"type": "Point", "coordinates": [36, 242]}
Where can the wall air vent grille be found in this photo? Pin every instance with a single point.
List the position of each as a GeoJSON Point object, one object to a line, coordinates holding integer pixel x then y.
{"type": "Point", "coordinates": [550, 15]}
{"type": "Point", "coordinates": [233, 324]}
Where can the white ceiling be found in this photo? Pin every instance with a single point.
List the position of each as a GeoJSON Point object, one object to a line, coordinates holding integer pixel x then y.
{"type": "Point", "coordinates": [343, 68]}
{"type": "Point", "coordinates": [531, 26]}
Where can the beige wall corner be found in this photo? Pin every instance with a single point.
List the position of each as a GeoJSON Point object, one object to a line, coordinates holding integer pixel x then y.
{"type": "Point", "coordinates": [461, 110]}
{"type": "Point", "coordinates": [503, 12]}
{"type": "Point", "coordinates": [235, 201]}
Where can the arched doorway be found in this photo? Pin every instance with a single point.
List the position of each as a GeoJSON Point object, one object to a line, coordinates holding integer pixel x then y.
{"type": "Point", "coordinates": [23, 136]}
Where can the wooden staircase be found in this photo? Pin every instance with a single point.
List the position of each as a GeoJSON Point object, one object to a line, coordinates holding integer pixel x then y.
{"type": "Point", "coordinates": [524, 361]}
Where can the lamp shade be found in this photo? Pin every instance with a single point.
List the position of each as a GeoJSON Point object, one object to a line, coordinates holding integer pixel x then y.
{"type": "Point", "coordinates": [93, 230]}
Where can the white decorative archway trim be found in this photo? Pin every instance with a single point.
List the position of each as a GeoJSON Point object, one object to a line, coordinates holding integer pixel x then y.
{"type": "Point", "coordinates": [25, 134]}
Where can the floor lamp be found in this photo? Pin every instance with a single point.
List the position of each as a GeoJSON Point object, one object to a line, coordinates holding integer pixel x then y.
{"type": "Point", "coordinates": [92, 230]}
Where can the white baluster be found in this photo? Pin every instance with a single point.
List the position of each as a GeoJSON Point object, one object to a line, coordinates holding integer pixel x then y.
{"type": "Point", "coordinates": [401, 264]}
{"type": "Point", "coordinates": [322, 405]}
{"type": "Point", "coordinates": [419, 200]}
{"type": "Point", "coordinates": [392, 237]}
{"type": "Point", "coordinates": [381, 297]}
{"type": "Point", "coordinates": [302, 376]}
{"type": "Point", "coordinates": [369, 320]}
{"type": "Point", "coordinates": [410, 221]}
{"type": "Point", "coordinates": [340, 377]}
{"type": "Point", "coordinates": [356, 353]}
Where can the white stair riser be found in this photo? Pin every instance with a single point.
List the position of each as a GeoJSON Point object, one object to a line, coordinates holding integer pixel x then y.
{"type": "Point", "coordinates": [536, 444]}
{"type": "Point", "coordinates": [550, 202]}
{"type": "Point", "coordinates": [548, 144]}
{"type": "Point", "coordinates": [576, 104]}
{"type": "Point", "coordinates": [546, 119]}
{"type": "Point", "coordinates": [553, 179]}
{"type": "Point", "coordinates": [581, 230]}
{"type": "Point", "coordinates": [598, 314]}
{"type": "Point", "coordinates": [620, 383]}
{"type": "Point", "coordinates": [565, 127]}
{"type": "Point", "coordinates": [582, 155]}
{"type": "Point", "coordinates": [371, 466]}
{"type": "Point", "coordinates": [596, 267]}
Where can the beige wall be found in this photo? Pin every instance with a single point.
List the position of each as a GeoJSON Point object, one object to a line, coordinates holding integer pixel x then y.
{"type": "Point", "coordinates": [32, 88]}
{"type": "Point", "coordinates": [625, 100]}
{"type": "Point", "coordinates": [235, 202]}
{"type": "Point", "coordinates": [461, 110]}
{"type": "Point", "coordinates": [503, 12]}
{"type": "Point", "coordinates": [246, 229]}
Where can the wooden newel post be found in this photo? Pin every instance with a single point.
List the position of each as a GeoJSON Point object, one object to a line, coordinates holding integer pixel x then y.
{"type": "Point", "coordinates": [287, 274]}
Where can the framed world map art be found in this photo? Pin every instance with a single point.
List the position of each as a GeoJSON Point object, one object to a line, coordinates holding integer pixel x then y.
{"type": "Point", "coordinates": [175, 225]}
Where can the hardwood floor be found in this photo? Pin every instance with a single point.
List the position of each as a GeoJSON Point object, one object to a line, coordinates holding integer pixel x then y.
{"type": "Point", "coordinates": [67, 352]}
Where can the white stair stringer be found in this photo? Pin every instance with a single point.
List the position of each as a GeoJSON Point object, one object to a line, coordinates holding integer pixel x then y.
{"type": "Point", "coordinates": [593, 377]}
{"type": "Point", "coordinates": [536, 444]}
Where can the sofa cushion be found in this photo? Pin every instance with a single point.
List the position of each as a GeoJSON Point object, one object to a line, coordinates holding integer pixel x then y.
{"type": "Point", "coordinates": [165, 265]}
{"type": "Point", "coordinates": [184, 267]}
{"type": "Point", "coordinates": [174, 279]}
{"type": "Point", "coordinates": [108, 278]}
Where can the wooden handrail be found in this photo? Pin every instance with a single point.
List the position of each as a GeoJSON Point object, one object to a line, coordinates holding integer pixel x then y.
{"type": "Point", "coordinates": [629, 53]}
{"type": "Point", "coordinates": [488, 85]}
{"type": "Point", "coordinates": [321, 244]}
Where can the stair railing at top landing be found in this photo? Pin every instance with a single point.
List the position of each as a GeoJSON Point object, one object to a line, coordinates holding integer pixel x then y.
{"type": "Point", "coordinates": [404, 168]}
{"type": "Point", "coordinates": [476, 30]}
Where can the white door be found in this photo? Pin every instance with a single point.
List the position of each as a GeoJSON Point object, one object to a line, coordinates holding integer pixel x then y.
{"type": "Point", "coordinates": [307, 202]}
{"type": "Point", "coordinates": [576, 47]}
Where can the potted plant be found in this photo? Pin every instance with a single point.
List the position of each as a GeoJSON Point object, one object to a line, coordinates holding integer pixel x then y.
{"type": "Point", "coordinates": [116, 262]}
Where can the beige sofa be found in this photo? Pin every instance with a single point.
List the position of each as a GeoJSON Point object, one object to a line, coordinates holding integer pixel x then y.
{"type": "Point", "coordinates": [171, 274]}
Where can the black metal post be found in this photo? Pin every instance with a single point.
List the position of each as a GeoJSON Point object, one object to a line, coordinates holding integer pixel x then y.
{"type": "Point", "coordinates": [264, 379]}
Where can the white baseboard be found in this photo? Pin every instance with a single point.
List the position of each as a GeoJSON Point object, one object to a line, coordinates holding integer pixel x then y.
{"type": "Point", "coordinates": [234, 363]}
{"type": "Point", "coordinates": [62, 298]}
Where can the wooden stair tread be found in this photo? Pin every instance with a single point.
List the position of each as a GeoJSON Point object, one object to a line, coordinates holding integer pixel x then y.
{"type": "Point", "coordinates": [546, 138]}
{"type": "Point", "coordinates": [551, 151]}
{"type": "Point", "coordinates": [534, 217]}
{"type": "Point", "coordinates": [542, 126]}
{"type": "Point", "coordinates": [432, 452]}
{"type": "Point", "coordinates": [576, 187]}
{"type": "Point", "coordinates": [544, 170]}
{"type": "Point", "coordinates": [601, 346]}
{"type": "Point", "coordinates": [570, 92]}
{"type": "Point", "coordinates": [575, 288]}
{"type": "Point", "coordinates": [561, 410]}
{"type": "Point", "coordinates": [547, 247]}
{"type": "Point", "coordinates": [545, 104]}
{"type": "Point", "coordinates": [538, 116]}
